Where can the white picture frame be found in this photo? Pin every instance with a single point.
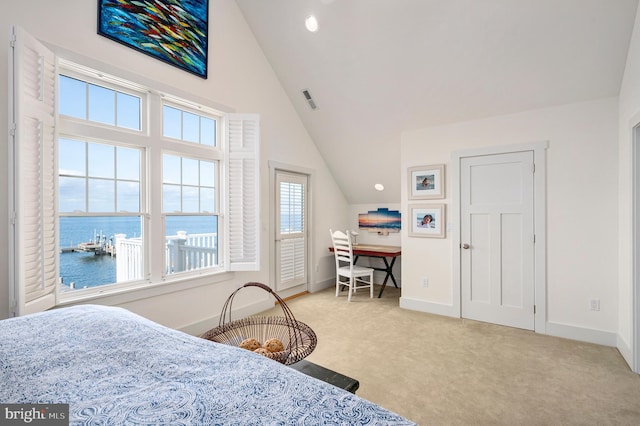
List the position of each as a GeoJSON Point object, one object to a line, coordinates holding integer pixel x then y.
{"type": "Point", "coordinates": [426, 182]}
{"type": "Point", "coordinates": [427, 220]}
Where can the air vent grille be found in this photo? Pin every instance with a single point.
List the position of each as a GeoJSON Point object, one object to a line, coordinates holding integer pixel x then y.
{"type": "Point", "coordinates": [309, 99]}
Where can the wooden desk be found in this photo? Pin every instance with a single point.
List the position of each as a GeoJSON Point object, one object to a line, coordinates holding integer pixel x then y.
{"type": "Point", "coordinates": [383, 252]}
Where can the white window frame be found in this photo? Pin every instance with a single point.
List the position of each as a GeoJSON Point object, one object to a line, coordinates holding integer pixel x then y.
{"type": "Point", "coordinates": [237, 152]}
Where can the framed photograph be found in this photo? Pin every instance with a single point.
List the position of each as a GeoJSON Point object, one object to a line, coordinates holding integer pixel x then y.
{"type": "Point", "coordinates": [173, 31]}
{"type": "Point", "coordinates": [426, 182]}
{"type": "Point", "coordinates": [427, 220]}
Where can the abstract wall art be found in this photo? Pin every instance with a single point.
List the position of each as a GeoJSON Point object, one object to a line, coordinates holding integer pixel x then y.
{"type": "Point", "coordinates": [173, 31]}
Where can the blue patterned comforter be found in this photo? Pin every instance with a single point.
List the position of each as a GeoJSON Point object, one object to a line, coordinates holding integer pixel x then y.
{"type": "Point", "coordinates": [116, 368]}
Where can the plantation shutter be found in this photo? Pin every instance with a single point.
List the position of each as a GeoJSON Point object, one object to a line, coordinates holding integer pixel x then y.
{"type": "Point", "coordinates": [32, 163]}
{"type": "Point", "coordinates": [242, 137]}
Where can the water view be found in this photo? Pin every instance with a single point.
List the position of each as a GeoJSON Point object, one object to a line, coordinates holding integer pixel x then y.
{"type": "Point", "coordinates": [81, 269]}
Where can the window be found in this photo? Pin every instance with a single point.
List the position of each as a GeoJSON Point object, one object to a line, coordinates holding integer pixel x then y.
{"type": "Point", "coordinates": [189, 197]}
{"type": "Point", "coordinates": [126, 190]}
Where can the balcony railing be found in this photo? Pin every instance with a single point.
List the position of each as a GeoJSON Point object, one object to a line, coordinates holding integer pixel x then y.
{"type": "Point", "coordinates": [183, 252]}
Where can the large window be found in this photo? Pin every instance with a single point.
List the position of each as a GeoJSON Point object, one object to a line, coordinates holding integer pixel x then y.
{"type": "Point", "coordinates": [116, 185]}
{"type": "Point", "coordinates": [100, 185]}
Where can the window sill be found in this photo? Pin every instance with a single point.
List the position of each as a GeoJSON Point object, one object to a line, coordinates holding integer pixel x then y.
{"type": "Point", "coordinates": [121, 295]}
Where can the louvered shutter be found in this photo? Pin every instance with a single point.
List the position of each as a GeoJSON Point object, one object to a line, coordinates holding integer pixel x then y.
{"type": "Point", "coordinates": [34, 268]}
{"type": "Point", "coordinates": [242, 138]}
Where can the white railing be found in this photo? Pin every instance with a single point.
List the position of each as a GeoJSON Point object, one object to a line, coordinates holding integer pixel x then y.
{"type": "Point", "coordinates": [183, 252]}
{"type": "Point", "coordinates": [128, 258]}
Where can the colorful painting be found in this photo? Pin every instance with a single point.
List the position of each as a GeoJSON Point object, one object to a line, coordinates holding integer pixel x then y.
{"type": "Point", "coordinates": [381, 220]}
{"type": "Point", "coordinates": [174, 31]}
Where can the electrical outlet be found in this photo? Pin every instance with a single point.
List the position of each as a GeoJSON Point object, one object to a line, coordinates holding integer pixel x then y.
{"type": "Point", "coordinates": [425, 282]}
{"type": "Point", "coordinates": [594, 304]}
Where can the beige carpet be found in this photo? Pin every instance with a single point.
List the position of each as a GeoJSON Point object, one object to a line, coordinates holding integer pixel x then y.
{"type": "Point", "coordinates": [437, 370]}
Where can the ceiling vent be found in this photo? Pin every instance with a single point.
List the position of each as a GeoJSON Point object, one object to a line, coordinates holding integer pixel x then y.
{"type": "Point", "coordinates": [309, 99]}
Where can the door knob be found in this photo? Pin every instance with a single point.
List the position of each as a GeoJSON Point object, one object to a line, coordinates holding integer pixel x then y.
{"type": "Point", "coordinates": [465, 246]}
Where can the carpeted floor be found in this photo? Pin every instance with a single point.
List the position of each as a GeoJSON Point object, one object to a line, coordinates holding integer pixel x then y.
{"type": "Point", "coordinates": [437, 370]}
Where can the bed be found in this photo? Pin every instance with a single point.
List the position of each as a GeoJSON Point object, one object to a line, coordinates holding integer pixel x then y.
{"type": "Point", "coordinates": [114, 367]}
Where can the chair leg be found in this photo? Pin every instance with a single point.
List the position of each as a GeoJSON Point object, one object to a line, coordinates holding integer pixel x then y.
{"type": "Point", "coordinates": [371, 285]}
{"type": "Point", "coordinates": [351, 285]}
{"type": "Point", "coordinates": [337, 285]}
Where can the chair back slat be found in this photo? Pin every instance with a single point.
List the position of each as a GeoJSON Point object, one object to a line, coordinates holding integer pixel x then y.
{"type": "Point", "coordinates": [342, 247]}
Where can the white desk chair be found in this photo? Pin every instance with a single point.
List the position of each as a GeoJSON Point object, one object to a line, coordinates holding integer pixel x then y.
{"type": "Point", "coordinates": [345, 267]}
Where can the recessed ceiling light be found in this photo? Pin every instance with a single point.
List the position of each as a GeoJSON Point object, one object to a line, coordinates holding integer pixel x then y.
{"type": "Point", "coordinates": [379, 187]}
{"type": "Point", "coordinates": [311, 23]}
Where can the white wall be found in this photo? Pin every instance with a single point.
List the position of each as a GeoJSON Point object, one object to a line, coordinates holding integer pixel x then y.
{"type": "Point", "coordinates": [629, 116]}
{"type": "Point", "coordinates": [239, 78]}
{"type": "Point", "coordinates": [582, 212]}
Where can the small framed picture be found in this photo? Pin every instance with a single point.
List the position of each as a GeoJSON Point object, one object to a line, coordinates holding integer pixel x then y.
{"type": "Point", "coordinates": [427, 220]}
{"type": "Point", "coordinates": [426, 182]}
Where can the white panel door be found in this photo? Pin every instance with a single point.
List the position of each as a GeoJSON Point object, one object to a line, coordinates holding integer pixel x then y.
{"type": "Point", "coordinates": [291, 231]}
{"type": "Point", "coordinates": [497, 239]}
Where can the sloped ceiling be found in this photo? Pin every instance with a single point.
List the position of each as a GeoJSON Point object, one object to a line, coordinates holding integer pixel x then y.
{"type": "Point", "coordinates": [377, 68]}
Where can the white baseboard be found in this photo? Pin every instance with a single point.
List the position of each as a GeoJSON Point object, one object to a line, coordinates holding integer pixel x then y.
{"type": "Point", "coordinates": [428, 307]}
{"type": "Point", "coordinates": [625, 350]}
{"type": "Point", "coordinates": [198, 328]}
{"type": "Point", "coordinates": [600, 337]}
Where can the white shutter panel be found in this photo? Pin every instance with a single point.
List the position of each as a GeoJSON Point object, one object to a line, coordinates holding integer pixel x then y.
{"type": "Point", "coordinates": [242, 137]}
{"type": "Point", "coordinates": [292, 262]}
{"type": "Point", "coordinates": [32, 162]}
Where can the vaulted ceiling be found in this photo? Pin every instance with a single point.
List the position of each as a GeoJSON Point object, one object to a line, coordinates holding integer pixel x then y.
{"type": "Point", "coordinates": [376, 68]}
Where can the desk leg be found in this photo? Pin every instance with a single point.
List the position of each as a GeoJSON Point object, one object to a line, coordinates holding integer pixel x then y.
{"type": "Point", "coordinates": [389, 270]}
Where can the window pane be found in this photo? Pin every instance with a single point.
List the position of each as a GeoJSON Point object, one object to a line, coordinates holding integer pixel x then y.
{"type": "Point", "coordinates": [207, 173]}
{"type": "Point", "coordinates": [207, 200]}
{"type": "Point", "coordinates": [171, 202]}
{"type": "Point", "coordinates": [190, 199]}
{"type": "Point", "coordinates": [72, 157]}
{"type": "Point", "coordinates": [72, 195]}
{"type": "Point", "coordinates": [171, 122]}
{"type": "Point", "coordinates": [190, 171]}
{"type": "Point", "coordinates": [128, 163]}
{"type": "Point", "coordinates": [291, 207]}
{"type": "Point", "coordinates": [128, 196]}
{"type": "Point", "coordinates": [190, 127]}
{"type": "Point", "coordinates": [128, 111]}
{"type": "Point", "coordinates": [82, 269]}
{"type": "Point", "coordinates": [170, 169]}
{"type": "Point", "coordinates": [102, 105]}
{"type": "Point", "coordinates": [191, 243]}
{"type": "Point", "coordinates": [102, 195]}
{"type": "Point", "coordinates": [72, 97]}
{"type": "Point", "coordinates": [101, 160]}
{"type": "Point", "coordinates": [207, 131]}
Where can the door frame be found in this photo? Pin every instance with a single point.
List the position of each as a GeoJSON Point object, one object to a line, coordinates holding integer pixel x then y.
{"type": "Point", "coordinates": [539, 218]}
{"type": "Point", "coordinates": [635, 249]}
{"type": "Point", "coordinates": [275, 166]}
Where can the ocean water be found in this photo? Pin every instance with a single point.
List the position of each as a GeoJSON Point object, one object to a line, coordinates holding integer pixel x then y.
{"type": "Point", "coordinates": [90, 270]}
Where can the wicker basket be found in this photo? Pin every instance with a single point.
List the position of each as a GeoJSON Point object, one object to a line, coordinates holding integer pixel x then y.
{"type": "Point", "coordinates": [298, 338]}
